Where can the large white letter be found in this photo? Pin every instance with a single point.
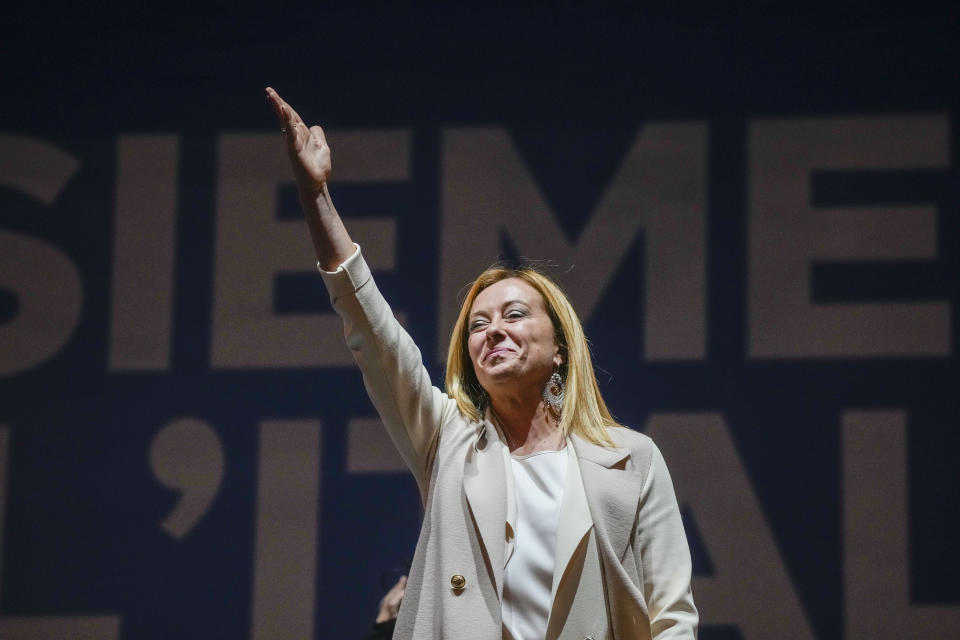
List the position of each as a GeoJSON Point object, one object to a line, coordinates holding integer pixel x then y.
{"type": "Point", "coordinates": [252, 246]}
{"type": "Point", "coordinates": [44, 279]}
{"type": "Point", "coordinates": [73, 627]}
{"type": "Point", "coordinates": [660, 189]}
{"type": "Point", "coordinates": [35, 167]}
{"type": "Point", "coordinates": [787, 233]}
{"type": "Point", "coordinates": [751, 588]}
{"type": "Point", "coordinates": [876, 566]}
{"type": "Point", "coordinates": [288, 508]}
{"type": "Point", "coordinates": [141, 304]}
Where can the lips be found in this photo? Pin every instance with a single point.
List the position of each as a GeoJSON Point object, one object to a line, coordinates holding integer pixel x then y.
{"type": "Point", "coordinates": [497, 351]}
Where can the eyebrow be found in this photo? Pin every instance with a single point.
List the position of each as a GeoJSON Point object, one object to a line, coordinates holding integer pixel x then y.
{"type": "Point", "coordinates": [504, 306]}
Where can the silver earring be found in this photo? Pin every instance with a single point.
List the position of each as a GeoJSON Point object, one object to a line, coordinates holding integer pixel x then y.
{"type": "Point", "coordinates": [553, 393]}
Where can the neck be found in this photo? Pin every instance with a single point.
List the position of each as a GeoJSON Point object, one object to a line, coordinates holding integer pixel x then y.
{"type": "Point", "coordinates": [528, 426]}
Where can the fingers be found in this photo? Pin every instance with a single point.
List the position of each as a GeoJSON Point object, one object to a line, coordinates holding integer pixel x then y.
{"type": "Point", "coordinates": [292, 124]}
{"type": "Point", "coordinates": [286, 115]}
{"type": "Point", "coordinates": [293, 118]}
{"type": "Point", "coordinates": [276, 102]}
{"type": "Point", "coordinates": [306, 147]}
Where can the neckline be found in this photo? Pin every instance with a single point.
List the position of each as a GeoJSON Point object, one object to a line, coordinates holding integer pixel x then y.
{"type": "Point", "coordinates": [536, 453]}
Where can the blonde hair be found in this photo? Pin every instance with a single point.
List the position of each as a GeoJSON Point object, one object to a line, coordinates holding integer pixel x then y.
{"type": "Point", "coordinates": [584, 412]}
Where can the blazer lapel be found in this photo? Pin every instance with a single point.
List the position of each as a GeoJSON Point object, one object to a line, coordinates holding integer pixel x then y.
{"type": "Point", "coordinates": [612, 491]}
{"type": "Point", "coordinates": [485, 487]}
{"type": "Point", "coordinates": [574, 521]}
{"type": "Point", "coordinates": [613, 480]}
{"type": "Point", "coordinates": [601, 493]}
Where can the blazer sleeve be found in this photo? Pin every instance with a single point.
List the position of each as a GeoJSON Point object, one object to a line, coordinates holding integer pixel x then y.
{"type": "Point", "coordinates": [398, 384]}
{"type": "Point", "coordinates": [665, 556]}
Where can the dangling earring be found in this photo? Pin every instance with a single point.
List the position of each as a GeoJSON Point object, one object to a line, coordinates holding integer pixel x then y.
{"type": "Point", "coordinates": [553, 393]}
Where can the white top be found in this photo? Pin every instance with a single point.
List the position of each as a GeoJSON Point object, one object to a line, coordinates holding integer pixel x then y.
{"type": "Point", "coordinates": [527, 579]}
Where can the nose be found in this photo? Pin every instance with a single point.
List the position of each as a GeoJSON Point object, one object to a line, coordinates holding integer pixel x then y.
{"type": "Point", "coordinates": [494, 331]}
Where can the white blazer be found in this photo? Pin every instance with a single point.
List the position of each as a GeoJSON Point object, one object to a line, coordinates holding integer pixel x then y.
{"type": "Point", "coordinates": [622, 563]}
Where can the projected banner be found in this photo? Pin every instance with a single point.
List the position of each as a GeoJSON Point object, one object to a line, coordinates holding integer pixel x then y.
{"type": "Point", "coordinates": [187, 451]}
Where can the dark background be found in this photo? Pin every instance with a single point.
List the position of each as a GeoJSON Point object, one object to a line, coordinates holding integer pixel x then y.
{"type": "Point", "coordinates": [572, 82]}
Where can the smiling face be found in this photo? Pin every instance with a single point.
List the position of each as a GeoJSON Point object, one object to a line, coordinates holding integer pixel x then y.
{"type": "Point", "coordinates": [512, 343]}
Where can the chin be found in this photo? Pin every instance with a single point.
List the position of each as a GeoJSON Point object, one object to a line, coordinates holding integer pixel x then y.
{"type": "Point", "coordinates": [506, 377]}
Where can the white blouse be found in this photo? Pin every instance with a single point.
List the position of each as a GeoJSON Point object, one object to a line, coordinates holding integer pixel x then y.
{"type": "Point", "coordinates": [527, 579]}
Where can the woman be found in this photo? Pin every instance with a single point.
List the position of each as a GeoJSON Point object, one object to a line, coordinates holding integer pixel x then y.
{"type": "Point", "coordinates": [543, 518]}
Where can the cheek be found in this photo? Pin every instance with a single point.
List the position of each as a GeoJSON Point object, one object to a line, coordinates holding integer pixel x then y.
{"type": "Point", "coordinates": [474, 344]}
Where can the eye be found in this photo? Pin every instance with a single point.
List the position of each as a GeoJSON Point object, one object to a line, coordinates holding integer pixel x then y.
{"type": "Point", "coordinates": [477, 324]}
{"type": "Point", "coordinates": [514, 313]}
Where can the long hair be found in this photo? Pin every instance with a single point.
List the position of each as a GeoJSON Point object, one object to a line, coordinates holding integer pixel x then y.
{"type": "Point", "coordinates": [584, 412]}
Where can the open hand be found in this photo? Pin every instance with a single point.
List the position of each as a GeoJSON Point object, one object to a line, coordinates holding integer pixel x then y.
{"type": "Point", "coordinates": [307, 147]}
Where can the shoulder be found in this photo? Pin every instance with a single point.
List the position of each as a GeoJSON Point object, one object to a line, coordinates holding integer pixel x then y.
{"type": "Point", "coordinates": [630, 439]}
{"type": "Point", "coordinates": [638, 449]}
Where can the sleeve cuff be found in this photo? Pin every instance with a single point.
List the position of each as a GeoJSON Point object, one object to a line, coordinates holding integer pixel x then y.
{"type": "Point", "coordinates": [347, 279]}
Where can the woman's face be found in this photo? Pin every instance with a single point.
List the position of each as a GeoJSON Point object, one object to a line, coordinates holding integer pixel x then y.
{"type": "Point", "coordinates": [511, 341]}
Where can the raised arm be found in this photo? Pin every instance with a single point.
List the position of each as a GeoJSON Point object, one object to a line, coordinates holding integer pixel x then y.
{"type": "Point", "coordinates": [310, 160]}
{"type": "Point", "coordinates": [399, 385]}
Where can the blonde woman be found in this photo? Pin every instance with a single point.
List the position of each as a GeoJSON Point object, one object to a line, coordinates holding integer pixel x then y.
{"type": "Point", "coordinates": [543, 518]}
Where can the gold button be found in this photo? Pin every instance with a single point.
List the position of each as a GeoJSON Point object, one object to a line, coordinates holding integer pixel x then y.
{"type": "Point", "coordinates": [458, 582]}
